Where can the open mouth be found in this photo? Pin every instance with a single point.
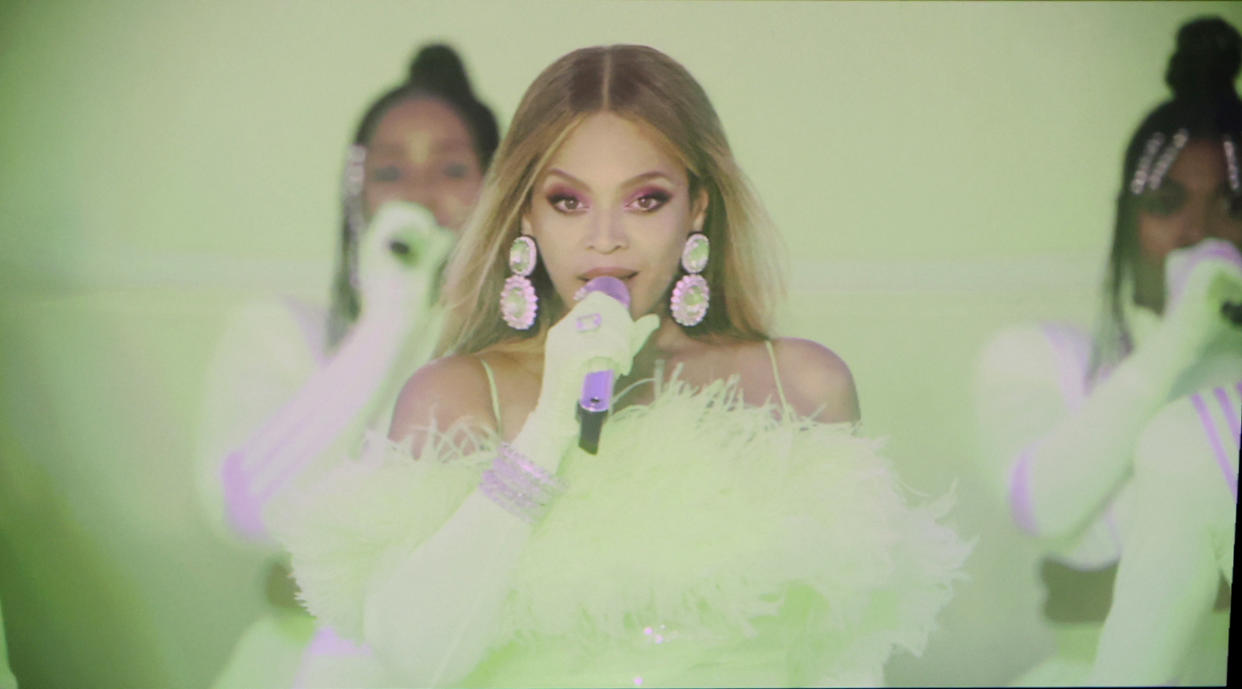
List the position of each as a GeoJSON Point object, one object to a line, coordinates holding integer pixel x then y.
{"type": "Point", "coordinates": [625, 275]}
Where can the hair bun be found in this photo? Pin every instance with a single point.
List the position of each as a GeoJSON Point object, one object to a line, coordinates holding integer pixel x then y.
{"type": "Point", "coordinates": [1205, 64]}
{"type": "Point", "coordinates": [437, 68]}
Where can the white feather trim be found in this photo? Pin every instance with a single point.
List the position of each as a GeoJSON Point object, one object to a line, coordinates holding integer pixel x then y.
{"type": "Point", "coordinates": [727, 530]}
{"type": "Point", "coordinates": [340, 529]}
{"type": "Point", "coordinates": [702, 515]}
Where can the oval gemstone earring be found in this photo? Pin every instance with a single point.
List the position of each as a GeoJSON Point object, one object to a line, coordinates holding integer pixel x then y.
{"type": "Point", "coordinates": [518, 301]}
{"type": "Point", "coordinates": [691, 294]}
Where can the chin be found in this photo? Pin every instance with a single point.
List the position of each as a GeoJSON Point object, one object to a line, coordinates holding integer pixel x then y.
{"type": "Point", "coordinates": [640, 308]}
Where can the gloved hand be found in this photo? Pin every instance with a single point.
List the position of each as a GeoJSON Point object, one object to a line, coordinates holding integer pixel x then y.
{"type": "Point", "coordinates": [399, 255]}
{"type": "Point", "coordinates": [1080, 464]}
{"type": "Point", "coordinates": [1199, 280]}
{"type": "Point", "coordinates": [598, 333]}
{"type": "Point", "coordinates": [461, 574]}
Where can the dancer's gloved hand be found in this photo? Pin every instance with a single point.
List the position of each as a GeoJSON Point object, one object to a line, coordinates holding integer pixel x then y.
{"type": "Point", "coordinates": [598, 333]}
{"type": "Point", "coordinates": [398, 260]}
{"type": "Point", "coordinates": [1199, 280]}
{"type": "Point", "coordinates": [398, 257]}
{"type": "Point", "coordinates": [1064, 479]}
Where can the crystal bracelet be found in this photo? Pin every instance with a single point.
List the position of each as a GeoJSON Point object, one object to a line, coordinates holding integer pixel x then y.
{"type": "Point", "coordinates": [519, 485]}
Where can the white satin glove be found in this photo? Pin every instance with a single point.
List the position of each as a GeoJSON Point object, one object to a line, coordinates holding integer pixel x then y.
{"type": "Point", "coordinates": [1178, 542]}
{"type": "Point", "coordinates": [399, 257]}
{"type": "Point", "coordinates": [432, 615]}
{"type": "Point", "coordinates": [597, 334]}
{"type": "Point", "coordinates": [1067, 477]}
{"type": "Point", "coordinates": [1198, 281]}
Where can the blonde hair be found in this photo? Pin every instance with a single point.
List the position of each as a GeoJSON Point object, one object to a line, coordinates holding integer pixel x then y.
{"type": "Point", "coordinates": [647, 87]}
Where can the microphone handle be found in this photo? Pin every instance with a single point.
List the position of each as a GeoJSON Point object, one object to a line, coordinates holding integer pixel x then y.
{"type": "Point", "coordinates": [596, 397]}
{"type": "Point", "coordinates": [593, 408]}
{"type": "Point", "coordinates": [1232, 311]}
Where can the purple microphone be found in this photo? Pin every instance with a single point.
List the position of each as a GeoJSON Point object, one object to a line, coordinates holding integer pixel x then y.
{"type": "Point", "coordinates": [596, 398]}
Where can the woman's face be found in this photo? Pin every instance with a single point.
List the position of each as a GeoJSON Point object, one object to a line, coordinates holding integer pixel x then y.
{"type": "Point", "coordinates": [1193, 203]}
{"type": "Point", "coordinates": [613, 202]}
{"type": "Point", "coordinates": [421, 152]}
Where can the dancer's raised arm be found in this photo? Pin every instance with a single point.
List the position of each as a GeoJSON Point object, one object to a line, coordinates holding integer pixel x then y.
{"type": "Point", "coordinates": [324, 421]}
{"type": "Point", "coordinates": [1059, 480]}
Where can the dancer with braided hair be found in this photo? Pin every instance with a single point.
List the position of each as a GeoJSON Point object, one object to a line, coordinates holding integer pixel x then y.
{"type": "Point", "coordinates": [317, 380]}
{"type": "Point", "coordinates": [1106, 440]}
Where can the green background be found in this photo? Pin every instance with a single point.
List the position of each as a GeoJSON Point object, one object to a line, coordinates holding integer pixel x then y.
{"type": "Point", "coordinates": [937, 170]}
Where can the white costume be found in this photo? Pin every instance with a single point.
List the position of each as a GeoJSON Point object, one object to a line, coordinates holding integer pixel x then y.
{"type": "Point", "coordinates": [280, 409]}
{"type": "Point", "coordinates": [1088, 466]}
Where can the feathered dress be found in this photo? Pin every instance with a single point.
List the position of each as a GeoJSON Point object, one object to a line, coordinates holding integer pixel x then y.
{"type": "Point", "coordinates": [708, 543]}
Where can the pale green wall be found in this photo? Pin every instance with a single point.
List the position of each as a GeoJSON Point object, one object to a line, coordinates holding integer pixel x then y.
{"type": "Point", "coordinates": [937, 169]}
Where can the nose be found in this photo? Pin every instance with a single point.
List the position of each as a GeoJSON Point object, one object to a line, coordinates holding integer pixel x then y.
{"type": "Point", "coordinates": [423, 192]}
{"type": "Point", "coordinates": [1196, 224]}
{"type": "Point", "coordinates": [607, 233]}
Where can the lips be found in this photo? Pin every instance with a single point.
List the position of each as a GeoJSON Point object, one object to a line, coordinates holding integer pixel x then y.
{"type": "Point", "coordinates": [612, 271]}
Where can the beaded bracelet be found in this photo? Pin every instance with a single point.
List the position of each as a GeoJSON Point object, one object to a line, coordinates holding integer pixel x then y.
{"type": "Point", "coordinates": [519, 485]}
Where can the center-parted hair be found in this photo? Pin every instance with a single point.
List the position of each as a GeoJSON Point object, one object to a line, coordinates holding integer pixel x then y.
{"type": "Point", "coordinates": [1204, 106]}
{"type": "Point", "coordinates": [652, 90]}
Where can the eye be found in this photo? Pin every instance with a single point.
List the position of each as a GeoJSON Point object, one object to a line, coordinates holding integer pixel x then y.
{"type": "Point", "coordinates": [388, 173]}
{"type": "Point", "coordinates": [1164, 201]}
{"type": "Point", "coordinates": [565, 202]}
{"type": "Point", "coordinates": [455, 170]}
{"type": "Point", "coordinates": [650, 200]}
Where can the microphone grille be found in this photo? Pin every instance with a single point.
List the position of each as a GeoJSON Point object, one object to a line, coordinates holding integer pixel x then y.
{"type": "Point", "coordinates": [609, 285]}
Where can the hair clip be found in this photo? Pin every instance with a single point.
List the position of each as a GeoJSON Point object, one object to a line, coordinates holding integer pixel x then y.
{"type": "Point", "coordinates": [1139, 183]}
{"type": "Point", "coordinates": [1231, 164]}
{"type": "Point", "coordinates": [1166, 159]}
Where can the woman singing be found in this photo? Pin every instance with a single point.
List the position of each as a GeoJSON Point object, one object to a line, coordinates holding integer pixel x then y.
{"type": "Point", "coordinates": [732, 529]}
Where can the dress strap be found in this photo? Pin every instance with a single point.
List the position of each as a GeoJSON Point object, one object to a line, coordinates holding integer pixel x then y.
{"type": "Point", "coordinates": [491, 387]}
{"type": "Point", "coordinates": [659, 377]}
{"type": "Point", "coordinates": [776, 374]}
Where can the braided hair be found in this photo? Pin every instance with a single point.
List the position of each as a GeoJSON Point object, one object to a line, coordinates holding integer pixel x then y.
{"type": "Point", "coordinates": [1204, 105]}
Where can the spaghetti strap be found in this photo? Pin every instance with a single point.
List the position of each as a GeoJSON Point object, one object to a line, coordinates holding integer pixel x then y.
{"type": "Point", "coordinates": [491, 386]}
{"type": "Point", "coordinates": [776, 374]}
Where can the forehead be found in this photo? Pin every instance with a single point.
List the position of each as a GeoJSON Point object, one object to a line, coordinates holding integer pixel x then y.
{"type": "Point", "coordinates": [1201, 165]}
{"type": "Point", "coordinates": [607, 149]}
{"type": "Point", "coordinates": [419, 126]}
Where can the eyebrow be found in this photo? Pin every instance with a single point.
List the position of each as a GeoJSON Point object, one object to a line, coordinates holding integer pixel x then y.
{"type": "Point", "coordinates": [450, 146]}
{"type": "Point", "coordinates": [636, 179]}
{"type": "Point", "coordinates": [1169, 182]}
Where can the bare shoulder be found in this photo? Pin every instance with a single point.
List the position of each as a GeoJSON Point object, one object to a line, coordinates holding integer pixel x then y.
{"type": "Point", "coordinates": [816, 381]}
{"type": "Point", "coordinates": [442, 393]}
